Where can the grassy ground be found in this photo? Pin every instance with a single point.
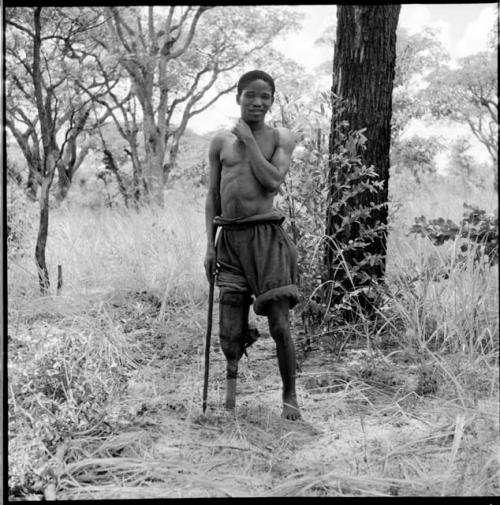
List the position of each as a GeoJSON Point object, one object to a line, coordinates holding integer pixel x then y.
{"type": "Point", "coordinates": [105, 380]}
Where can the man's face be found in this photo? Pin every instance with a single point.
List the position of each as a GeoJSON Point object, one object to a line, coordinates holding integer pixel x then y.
{"type": "Point", "coordinates": [255, 100]}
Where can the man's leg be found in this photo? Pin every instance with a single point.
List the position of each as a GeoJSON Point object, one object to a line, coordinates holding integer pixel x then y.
{"type": "Point", "coordinates": [233, 329]}
{"type": "Point", "coordinates": [279, 326]}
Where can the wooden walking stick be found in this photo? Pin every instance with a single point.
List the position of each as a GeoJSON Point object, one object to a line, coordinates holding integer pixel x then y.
{"type": "Point", "coordinates": [209, 332]}
{"type": "Point", "coordinates": [207, 340]}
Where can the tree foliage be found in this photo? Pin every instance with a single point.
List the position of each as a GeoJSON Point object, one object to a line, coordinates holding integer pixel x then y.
{"type": "Point", "coordinates": [415, 156]}
{"type": "Point", "coordinates": [44, 113]}
{"type": "Point", "coordinates": [181, 60]}
{"type": "Point", "coordinates": [417, 55]}
{"type": "Point", "coordinates": [477, 233]}
{"type": "Point", "coordinates": [45, 62]}
{"type": "Point", "coordinates": [469, 94]}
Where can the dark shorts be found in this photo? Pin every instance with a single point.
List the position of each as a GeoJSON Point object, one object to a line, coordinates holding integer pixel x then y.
{"type": "Point", "coordinates": [256, 256]}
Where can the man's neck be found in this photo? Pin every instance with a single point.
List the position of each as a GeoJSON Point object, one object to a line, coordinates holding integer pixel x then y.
{"type": "Point", "coordinates": [257, 127]}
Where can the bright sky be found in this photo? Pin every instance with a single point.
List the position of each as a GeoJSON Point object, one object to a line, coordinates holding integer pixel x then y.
{"type": "Point", "coordinates": [464, 30]}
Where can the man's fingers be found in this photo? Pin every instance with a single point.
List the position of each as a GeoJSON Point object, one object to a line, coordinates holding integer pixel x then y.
{"type": "Point", "coordinates": [210, 271]}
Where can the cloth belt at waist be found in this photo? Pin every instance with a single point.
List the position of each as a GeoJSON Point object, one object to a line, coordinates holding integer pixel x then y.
{"type": "Point", "coordinates": [273, 216]}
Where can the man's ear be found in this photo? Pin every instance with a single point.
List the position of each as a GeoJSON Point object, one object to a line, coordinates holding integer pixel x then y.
{"type": "Point", "coordinates": [238, 99]}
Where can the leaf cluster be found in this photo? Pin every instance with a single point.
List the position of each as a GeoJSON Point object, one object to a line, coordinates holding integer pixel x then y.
{"type": "Point", "coordinates": [343, 186]}
{"type": "Point", "coordinates": [415, 155]}
{"type": "Point", "coordinates": [478, 234]}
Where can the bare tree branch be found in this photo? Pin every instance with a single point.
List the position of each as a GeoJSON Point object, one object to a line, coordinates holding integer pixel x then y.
{"type": "Point", "coordinates": [189, 38]}
{"type": "Point", "coordinates": [20, 27]}
{"type": "Point", "coordinates": [117, 19]}
{"type": "Point", "coordinates": [208, 104]}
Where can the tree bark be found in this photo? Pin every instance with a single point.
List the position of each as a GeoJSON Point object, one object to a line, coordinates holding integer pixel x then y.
{"type": "Point", "coordinates": [110, 164]}
{"type": "Point", "coordinates": [41, 241]}
{"type": "Point", "coordinates": [65, 178]}
{"type": "Point", "coordinates": [31, 185]}
{"type": "Point", "coordinates": [155, 154]}
{"type": "Point", "coordinates": [137, 177]}
{"type": "Point", "coordinates": [363, 75]}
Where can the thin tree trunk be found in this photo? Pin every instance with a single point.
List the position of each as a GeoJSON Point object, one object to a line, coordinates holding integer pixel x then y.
{"type": "Point", "coordinates": [41, 241]}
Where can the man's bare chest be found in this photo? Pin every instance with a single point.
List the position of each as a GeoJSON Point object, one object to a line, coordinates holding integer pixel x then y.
{"type": "Point", "coordinates": [235, 152]}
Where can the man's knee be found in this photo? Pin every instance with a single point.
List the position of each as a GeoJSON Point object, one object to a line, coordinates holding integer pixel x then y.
{"type": "Point", "coordinates": [279, 323]}
{"type": "Point", "coordinates": [280, 331]}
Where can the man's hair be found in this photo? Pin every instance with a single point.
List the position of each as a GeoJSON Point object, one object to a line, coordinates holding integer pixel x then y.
{"type": "Point", "coordinates": [254, 75]}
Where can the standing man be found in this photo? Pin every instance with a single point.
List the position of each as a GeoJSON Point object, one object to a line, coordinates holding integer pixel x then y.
{"type": "Point", "coordinates": [254, 255]}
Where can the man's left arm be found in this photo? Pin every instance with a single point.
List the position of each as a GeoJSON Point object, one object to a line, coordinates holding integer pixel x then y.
{"type": "Point", "coordinates": [270, 173]}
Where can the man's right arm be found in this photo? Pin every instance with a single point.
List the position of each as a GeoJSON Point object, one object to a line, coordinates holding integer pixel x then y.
{"type": "Point", "coordinates": [213, 200]}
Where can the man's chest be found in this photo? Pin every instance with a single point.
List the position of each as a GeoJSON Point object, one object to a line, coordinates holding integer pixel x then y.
{"type": "Point", "coordinates": [236, 152]}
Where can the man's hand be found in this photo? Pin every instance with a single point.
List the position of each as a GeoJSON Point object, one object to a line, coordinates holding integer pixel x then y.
{"type": "Point", "coordinates": [210, 263]}
{"type": "Point", "coordinates": [243, 131]}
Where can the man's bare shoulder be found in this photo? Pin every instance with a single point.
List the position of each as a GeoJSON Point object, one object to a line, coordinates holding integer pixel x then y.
{"type": "Point", "coordinates": [220, 137]}
{"type": "Point", "coordinates": [286, 138]}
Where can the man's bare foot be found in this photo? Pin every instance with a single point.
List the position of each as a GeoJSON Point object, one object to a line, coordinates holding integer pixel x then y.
{"type": "Point", "coordinates": [290, 409]}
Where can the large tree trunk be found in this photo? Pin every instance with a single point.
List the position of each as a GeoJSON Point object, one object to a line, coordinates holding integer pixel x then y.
{"type": "Point", "coordinates": [31, 185]}
{"type": "Point", "coordinates": [155, 154]}
{"type": "Point", "coordinates": [363, 74]}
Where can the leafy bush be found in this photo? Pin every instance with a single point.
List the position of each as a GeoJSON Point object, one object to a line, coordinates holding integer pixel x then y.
{"type": "Point", "coordinates": [196, 174]}
{"type": "Point", "coordinates": [21, 217]}
{"type": "Point", "coordinates": [465, 167]}
{"type": "Point", "coordinates": [478, 232]}
{"type": "Point", "coordinates": [305, 198]}
{"type": "Point", "coordinates": [415, 156]}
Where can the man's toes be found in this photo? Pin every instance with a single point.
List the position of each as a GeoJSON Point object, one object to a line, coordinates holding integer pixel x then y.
{"type": "Point", "coordinates": [290, 412]}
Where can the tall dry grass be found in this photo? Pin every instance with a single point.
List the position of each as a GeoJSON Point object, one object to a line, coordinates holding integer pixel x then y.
{"type": "Point", "coordinates": [106, 250]}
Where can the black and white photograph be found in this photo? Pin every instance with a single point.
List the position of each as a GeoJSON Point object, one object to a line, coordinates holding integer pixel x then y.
{"type": "Point", "coordinates": [250, 251]}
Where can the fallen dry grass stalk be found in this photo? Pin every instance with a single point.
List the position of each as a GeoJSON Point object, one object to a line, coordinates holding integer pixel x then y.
{"type": "Point", "coordinates": [139, 473]}
{"type": "Point", "coordinates": [298, 484]}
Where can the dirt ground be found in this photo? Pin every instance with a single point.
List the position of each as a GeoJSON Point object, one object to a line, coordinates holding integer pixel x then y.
{"type": "Point", "coordinates": [375, 423]}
